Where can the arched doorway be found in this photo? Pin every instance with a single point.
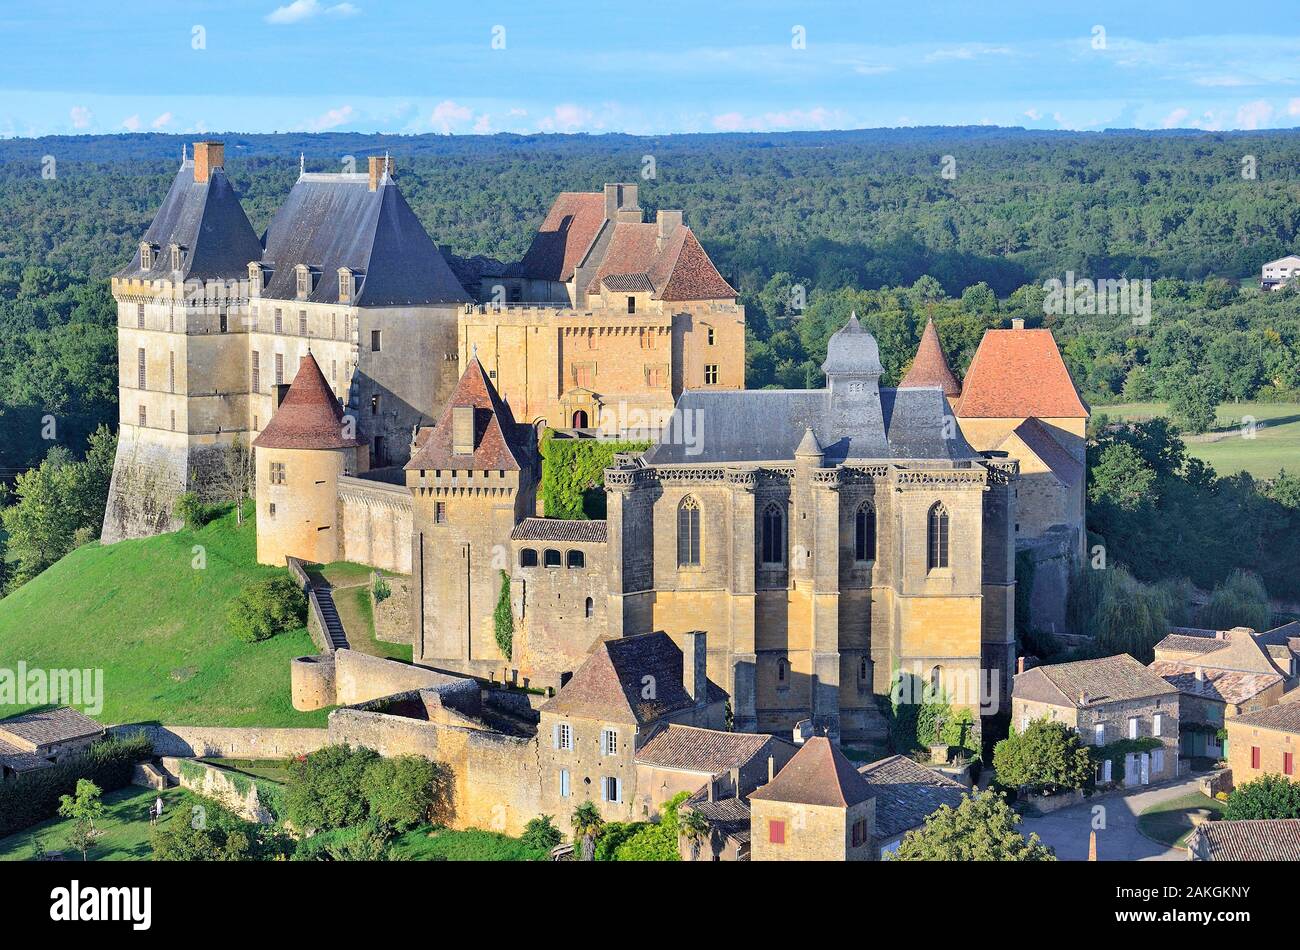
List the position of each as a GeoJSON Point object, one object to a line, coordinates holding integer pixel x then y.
{"type": "Point", "coordinates": [580, 419]}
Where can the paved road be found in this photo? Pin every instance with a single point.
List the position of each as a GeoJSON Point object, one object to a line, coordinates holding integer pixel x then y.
{"type": "Point", "coordinates": [1067, 830]}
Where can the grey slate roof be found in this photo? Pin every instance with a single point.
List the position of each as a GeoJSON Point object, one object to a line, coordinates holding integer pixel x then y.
{"type": "Point", "coordinates": [728, 816]}
{"type": "Point", "coordinates": [1087, 683]}
{"type": "Point", "coordinates": [1284, 717]}
{"type": "Point", "coordinates": [560, 529]}
{"type": "Point", "coordinates": [31, 730]}
{"type": "Point", "coordinates": [1254, 839]}
{"type": "Point", "coordinates": [1191, 643]}
{"type": "Point", "coordinates": [907, 793]}
{"type": "Point", "coordinates": [692, 749]}
{"type": "Point", "coordinates": [208, 222]}
{"type": "Point", "coordinates": [333, 221]}
{"type": "Point", "coordinates": [17, 760]}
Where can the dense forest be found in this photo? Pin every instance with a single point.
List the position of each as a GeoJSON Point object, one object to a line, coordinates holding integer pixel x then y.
{"type": "Point", "coordinates": [960, 224]}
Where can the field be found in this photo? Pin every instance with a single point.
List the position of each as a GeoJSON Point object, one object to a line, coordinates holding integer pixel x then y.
{"type": "Point", "coordinates": [1273, 442]}
{"type": "Point", "coordinates": [150, 614]}
{"type": "Point", "coordinates": [125, 825]}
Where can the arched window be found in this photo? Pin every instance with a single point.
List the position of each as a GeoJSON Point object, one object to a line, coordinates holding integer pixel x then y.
{"type": "Point", "coordinates": [937, 536]}
{"type": "Point", "coordinates": [864, 533]}
{"type": "Point", "coordinates": [551, 558]}
{"type": "Point", "coordinates": [576, 559]}
{"type": "Point", "coordinates": [936, 681]}
{"type": "Point", "coordinates": [589, 609]}
{"type": "Point", "coordinates": [688, 532]}
{"type": "Point", "coordinates": [527, 558]}
{"type": "Point", "coordinates": [782, 670]}
{"type": "Point", "coordinates": [773, 534]}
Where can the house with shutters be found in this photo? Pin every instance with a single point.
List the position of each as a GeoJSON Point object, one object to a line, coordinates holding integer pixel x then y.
{"type": "Point", "coordinates": [1265, 742]}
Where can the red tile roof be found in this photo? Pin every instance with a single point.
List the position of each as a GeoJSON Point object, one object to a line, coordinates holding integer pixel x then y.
{"type": "Point", "coordinates": [1019, 374]}
{"type": "Point", "coordinates": [499, 444]}
{"type": "Point", "coordinates": [310, 416]}
{"type": "Point", "coordinates": [564, 237]}
{"type": "Point", "coordinates": [676, 268]}
{"type": "Point", "coordinates": [819, 774]}
{"type": "Point", "coordinates": [930, 368]}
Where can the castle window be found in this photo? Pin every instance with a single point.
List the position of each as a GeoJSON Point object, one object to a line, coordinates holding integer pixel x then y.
{"type": "Point", "coordinates": [304, 281]}
{"type": "Point", "coordinates": [173, 420]}
{"type": "Point", "coordinates": [302, 322]}
{"type": "Point", "coordinates": [936, 680]}
{"type": "Point", "coordinates": [440, 513]}
{"type": "Point", "coordinates": [334, 324]}
{"type": "Point", "coordinates": [270, 509]}
{"type": "Point", "coordinates": [374, 404]}
{"type": "Point", "coordinates": [146, 256]}
{"type": "Point", "coordinates": [528, 558]}
{"type": "Point", "coordinates": [139, 369]}
{"type": "Point", "coordinates": [257, 373]}
{"type": "Point", "coordinates": [563, 736]}
{"type": "Point", "coordinates": [708, 335]}
{"type": "Point", "coordinates": [376, 340]}
{"type": "Point", "coordinates": [710, 374]}
{"type": "Point", "coordinates": [688, 532]}
{"type": "Point", "coordinates": [256, 323]}
{"type": "Point", "coordinates": [589, 609]}
{"type": "Point", "coordinates": [773, 535]}
{"type": "Point", "coordinates": [864, 534]}
{"type": "Point", "coordinates": [564, 783]}
{"type": "Point", "coordinates": [176, 257]}
{"type": "Point", "coordinates": [575, 559]}
{"type": "Point", "coordinates": [279, 320]}
{"type": "Point", "coordinates": [859, 833]}
{"type": "Point", "coordinates": [171, 371]}
{"type": "Point", "coordinates": [611, 789]}
{"type": "Point", "coordinates": [277, 473]}
{"type": "Point", "coordinates": [782, 671]}
{"type": "Point", "coordinates": [551, 558]}
{"type": "Point", "coordinates": [279, 369]}
{"type": "Point", "coordinates": [144, 416]}
{"type": "Point", "coordinates": [223, 321]}
{"type": "Point", "coordinates": [937, 536]}
{"type": "Point", "coordinates": [631, 305]}
{"type": "Point", "coordinates": [139, 316]}
{"type": "Point", "coordinates": [862, 670]}
{"type": "Point", "coordinates": [609, 741]}
{"type": "Point", "coordinates": [345, 285]}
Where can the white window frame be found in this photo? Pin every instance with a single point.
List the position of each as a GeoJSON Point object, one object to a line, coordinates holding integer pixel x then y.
{"type": "Point", "coordinates": [563, 737]}
{"type": "Point", "coordinates": [618, 789]}
{"type": "Point", "coordinates": [609, 741]}
{"type": "Point", "coordinates": [1132, 727]}
{"type": "Point", "coordinates": [1157, 722]}
{"type": "Point", "coordinates": [565, 788]}
{"type": "Point", "coordinates": [1099, 734]}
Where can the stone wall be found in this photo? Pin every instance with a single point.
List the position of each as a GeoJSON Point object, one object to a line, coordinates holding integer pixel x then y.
{"type": "Point", "coordinates": [250, 742]}
{"type": "Point", "coordinates": [393, 613]}
{"type": "Point", "coordinates": [359, 677]}
{"type": "Point", "coordinates": [239, 794]}
{"type": "Point", "coordinates": [374, 520]}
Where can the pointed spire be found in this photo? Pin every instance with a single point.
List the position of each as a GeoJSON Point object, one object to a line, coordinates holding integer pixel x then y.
{"type": "Point", "coordinates": [852, 350]}
{"type": "Point", "coordinates": [808, 445]}
{"type": "Point", "coordinates": [930, 367]}
{"type": "Point", "coordinates": [310, 416]}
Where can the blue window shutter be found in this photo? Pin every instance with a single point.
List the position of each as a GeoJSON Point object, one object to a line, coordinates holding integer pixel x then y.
{"type": "Point", "coordinates": [555, 736]}
{"type": "Point", "coordinates": [618, 789]}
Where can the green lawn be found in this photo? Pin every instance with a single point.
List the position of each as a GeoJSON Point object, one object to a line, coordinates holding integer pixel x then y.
{"type": "Point", "coordinates": [125, 826]}
{"type": "Point", "coordinates": [1170, 822]}
{"type": "Point", "coordinates": [441, 844]}
{"type": "Point", "coordinates": [1273, 443]}
{"type": "Point", "coordinates": [153, 621]}
{"type": "Point", "coordinates": [274, 770]}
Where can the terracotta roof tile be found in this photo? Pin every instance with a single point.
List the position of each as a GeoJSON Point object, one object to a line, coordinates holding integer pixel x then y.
{"type": "Point", "coordinates": [499, 444]}
{"type": "Point", "coordinates": [1225, 686]}
{"type": "Point", "coordinates": [310, 416]}
{"type": "Point", "coordinates": [565, 235]}
{"type": "Point", "coordinates": [930, 367]}
{"type": "Point", "coordinates": [1018, 374]}
{"type": "Point", "coordinates": [676, 268]}
{"type": "Point", "coordinates": [819, 774]}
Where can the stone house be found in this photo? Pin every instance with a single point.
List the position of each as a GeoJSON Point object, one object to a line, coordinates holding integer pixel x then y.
{"type": "Point", "coordinates": [1265, 742]}
{"type": "Point", "coordinates": [41, 738]}
{"type": "Point", "coordinates": [728, 818]}
{"type": "Point", "coordinates": [1107, 700]}
{"type": "Point", "coordinates": [686, 758]}
{"type": "Point", "coordinates": [906, 793]}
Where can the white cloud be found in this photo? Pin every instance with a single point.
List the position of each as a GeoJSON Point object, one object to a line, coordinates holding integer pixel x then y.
{"type": "Point", "coordinates": [1175, 119]}
{"type": "Point", "coordinates": [331, 119]}
{"type": "Point", "coordinates": [448, 114]}
{"type": "Point", "coordinates": [131, 123]}
{"type": "Point", "coordinates": [1033, 114]}
{"type": "Point", "coordinates": [162, 121]}
{"type": "Point", "coordinates": [1254, 114]}
{"type": "Point", "coordinates": [966, 51]}
{"type": "Point", "coordinates": [1293, 107]}
{"type": "Point", "coordinates": [565, 118]}
{"type": "Point", "coordinates": [80, 117]}
{"type": "Point", "coordinates": [483, 125]}
{"type": "Point", "coordinates": [818, 117]}
{"type": "Point", "coordinates": [301, 10]}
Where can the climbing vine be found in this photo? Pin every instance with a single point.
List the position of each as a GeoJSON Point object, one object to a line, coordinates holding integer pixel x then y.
{"type": "Point", "coordinates": [573, 471]}
{"type": "Point", "coordinates": [503, 619]}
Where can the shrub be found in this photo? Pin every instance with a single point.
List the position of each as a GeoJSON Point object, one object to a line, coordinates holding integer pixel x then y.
{"type": "Point", "coordinates": [1270, 796]}
{"type": "Point", "coordinates": [325, 788]}
{"type": "Point", "coordinates": [266, 608]}
{"type": "Point", "coordinates": [1047, 756]}
{"type": "Point", "coordinates": [221, 836]}
{"type": "Point", "coordinates": [188, 509]}
{"type": "Point", "coordinates": [381, 590]}
{"type": "Point", "coordinates": [405, 791]}
{"type": "Point", "coordinates": [503, 619]}
{"type": "Point", "coordinates": [541, 833]}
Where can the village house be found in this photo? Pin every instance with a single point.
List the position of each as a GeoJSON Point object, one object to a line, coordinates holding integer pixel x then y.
{"type": "Point", "coordinates": [1265, 742]}
{"type": "Point", "coordinates": [41, 738]}
{"type": "Point", "coordinates": [1276, 274]}
{"type": "Point", "coordinates": [1260, 839]}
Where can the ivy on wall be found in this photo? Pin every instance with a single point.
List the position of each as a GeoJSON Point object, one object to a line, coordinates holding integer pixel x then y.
{"type": "Point", "coordinates": [503, 619]}
{"type": "Point", "coordinates": [573, 472]}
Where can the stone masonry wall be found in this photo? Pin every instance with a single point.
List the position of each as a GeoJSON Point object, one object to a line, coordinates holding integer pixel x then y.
{"type": "Point", "coordinates": [252, 742]}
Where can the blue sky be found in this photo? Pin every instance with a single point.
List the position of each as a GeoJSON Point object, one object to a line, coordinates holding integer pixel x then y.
{"type": "Point", "coordinates": [653, 66]}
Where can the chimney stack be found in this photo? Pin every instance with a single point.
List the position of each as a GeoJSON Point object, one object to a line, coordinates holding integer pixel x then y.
{"type": "Point", "coordinates": [379, 166]}
{"type": "Point", "coordinates": [695, 665]}
{"type": "Point", "coordinates": [620, 203]}
{"type": "Point", "coordinates": [1200, 674]}
{"type": "Point", "coordinates": [462, 430]}
{"type": "Point", "coordinates": [1083, 698]}
{"type": "Point", "coordinates": [207, 156]}
{"type": "Point", "coordinates": [1020, 664]}
{"type": "Point", "coordinates": [669, 222]}
{"type": "Point", "coordinates": [1017, 323]}
{"type": "Point", "coordinates": [771, 767]}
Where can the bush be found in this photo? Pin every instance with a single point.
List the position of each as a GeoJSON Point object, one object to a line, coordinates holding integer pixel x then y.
{"type": "Point", "coordinates": [540, 833]}
{"type": "Point", "coordinates": [1046, 756]}
{"type": "Point", "coordinates": [381, 590]}
{"type": "Point", "coordinates": [574, 471]}
{"type": "Point", "coordinates": [1270, 796]}
{"type": "Point", "coordinates": [221, 836]}
{"type": "Point", "coordinates": [266, 608]}
{"type": "Point", "coordinates": [188, 509]}
{"type": "Point", "coordinates": [406, 791]}
{"type": "Point", "coordinates": [325, 788]}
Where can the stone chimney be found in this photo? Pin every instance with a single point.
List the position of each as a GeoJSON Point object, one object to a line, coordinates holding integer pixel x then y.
{"type": "Point", "coordinates": [1020, 664]}
{"type": "Point", "coordinates": [620, 203]}
{"type": "Point", "coordinates": [695, 664]}
{"type": "Point", "coordinates": [669, 222]}
{"type": "Point", "coordinates": [462, 430]}
{"type": "Point", "coordinates": [1017, 323]}
{"type": "Point", "coordinates": [1083, 698]}
{"type": "Point", "coordinates": [379, 164]}
{"type": "Point", "coordinates": [771, 767]}
{"type": "Point", "coordinates": [1200, 674]}
{"type": "Point", "coordinates": [207, 156]}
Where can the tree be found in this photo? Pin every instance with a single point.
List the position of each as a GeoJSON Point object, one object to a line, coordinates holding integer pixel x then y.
{"type": "Point", "coordinates": [695, 829]}
{"type": "Point", "coordinates": [1121, 477]}
{"type": "Point", "coordinates": [85, 807]}
{"type": "Point", "coordinates": [325, 788]}
{"type": "Point", "coordinates": [981, 828]}
{"type": "Point", "coordinates": [267, 607]}
{"type": "Point", "coordinates": [233, 477]}
{"type": "Point", "coordinates": [1046, 756]}
{"type": "Point", "coordinates": [83, 836]}
{"type": "Point", "coordinates": [1194, 404]}
{"type": "Point", "coordinates": [403, 791]}
{"type": "Point", "coordinates": [1269, 796]}
{"type": "Point", "coordinates": [540, 833]}
{"type": "Point", "coordinates": [587, 826]}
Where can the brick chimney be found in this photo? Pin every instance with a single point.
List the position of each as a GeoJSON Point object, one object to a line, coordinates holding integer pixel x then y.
{"type": "Point", "coordinates": [378, 165]}
{"type": "Point", "coordinates": [207, 156]}
{"type": "Point", "coordinates": [695, 663]}
{"type": "Point", "coordinates": [669, 222]}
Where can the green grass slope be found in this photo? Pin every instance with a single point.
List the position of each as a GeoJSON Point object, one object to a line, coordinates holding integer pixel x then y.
{"type": "Point", "coordinates": [1272, 443]}
{"type": "Point", "coordinates": [155, 623]}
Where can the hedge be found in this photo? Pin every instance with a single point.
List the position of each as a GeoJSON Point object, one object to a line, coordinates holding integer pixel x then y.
{"type": "Point", "coordinates": [32, 797]}
{"type": "Point", "coordinates": [572, 470]}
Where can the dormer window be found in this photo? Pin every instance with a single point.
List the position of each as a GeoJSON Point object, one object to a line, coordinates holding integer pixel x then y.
{"type": "Point", "coordinates": [345, 285]}
{"type": "Point", "coordinates": [254, 279]}
{"type": "Point", "coordinates": [304, 281]}
{"type": "Point", "coordinates": [146, 256]}
{"type": "Point", "coordinates": [176, 256]}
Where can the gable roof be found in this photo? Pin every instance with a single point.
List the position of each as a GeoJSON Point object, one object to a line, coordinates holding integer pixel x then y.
{"type": "Point", "coordinates": [1017, 374]}
{"type": "Point", "coordinates": [691, 749]}
{"type": "Point", "coordinates": [609, 683]}
{"type": "Point", "coordinates": [1187, 642]}
{"type": "Point", "coordinates": [564, 237]}
{"type": "Point", "coordinates": [1087, 683]}
{"type": "Point", "coordinates": [332, 221]}
{"type": "Point", "coordinates": [1224, 686]}
{"type": "Point", "coordinates": [907, 793]}
{"type": "Point", "coordinates": [819, 774]}
{"type": "Point", "coordinates": [31, 730]}
{"type": "Point", "coordinates": [930, 367]}
{"type": "Point", "coordinates": [1251, 839]}
{"type": "Point", "coordinates": [310, 416]}
{"type": "Point", "coordinates": [208, 222]}
{"type": "Point", "coordinates": [1035, 437]}
{"type": "Point", "coordinates": [1284, 717]}
{"type": "Point", "coordinates": [728, 816]}
{"type": "Point", "coordinates": [674, 268]}
{"type": "Point", "coordinates": [499, 443]}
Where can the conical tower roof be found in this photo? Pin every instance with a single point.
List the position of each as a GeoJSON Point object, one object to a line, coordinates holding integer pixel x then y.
{"type": "Point", "coordinates": [309, 418]}
{"type": "Point", "coordinates": [930, 368]}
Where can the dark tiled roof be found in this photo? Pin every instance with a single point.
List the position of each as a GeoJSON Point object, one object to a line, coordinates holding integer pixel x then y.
{"type": "Point", "coordinates": [930, 368]}
{"type": "Point", "coordinates": [558, 529]}
{"type": "Point", "coordinates": [333, 221]}
{"type": "Point", "coordinates": [208, 222]}
{"type": "Point", "coordinates": [629, 283]}
{"type": "Point", "coordinates": [44, 727]}
{"type": "Point", "coordinates": [1043, 444]}
{"type": "Point", "coordinates": [1224, 686]}
{"type": "Point", "coordinates": [1284, 717]}
{"type": "Point", "coordinates": [610, 682]}
{"type": "Point", "coordinates": [819, 774]}
{"type": "Point", "coordinates": [310, 416]}
{"type": "Point", "coordinates": [730, 816]}
{"type": "Point", "coordinates": [1017, 374]}
{"type": "Point", "coordinates": [907, 793]}
{"type": "Point", "coordinates": [1256, 839]}
{"type": "Point", "coordinates": [1106, 680]}
{"type": "Point", "coordinates": [499, 443]}
{"type": "Point", "coordinates": [11, 757]}
{"type": "Point", "coordinates": [1191, 643]}
{"type": "Point", "coordinates": [570, 226]}
{"type": "Point", "coordinates": [702, 750]}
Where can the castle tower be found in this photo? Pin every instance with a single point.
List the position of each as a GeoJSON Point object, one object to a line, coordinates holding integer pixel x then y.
{"type": "Point", "coordinates": [930, 367]}
{"type": "Point", "coordinates": [472, 478]}
{"type": "Point", "coordinates": [182, 345]}
{"type": "Point", "coordinates": [301, 453]}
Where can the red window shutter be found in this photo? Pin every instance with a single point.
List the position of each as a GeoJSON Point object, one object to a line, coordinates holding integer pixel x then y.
{"type": "Point", "coordinates": [1254, 757]}
{"type": "Point", "coordinates": [776, 832]}
{"type": "Point", "coordinates": [1288, 763]}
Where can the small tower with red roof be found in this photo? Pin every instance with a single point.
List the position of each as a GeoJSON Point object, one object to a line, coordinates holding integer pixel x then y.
{"type": "Point", "coordinates": [301, 453]}
{"type": "Point", "coordinates": [930, 367]}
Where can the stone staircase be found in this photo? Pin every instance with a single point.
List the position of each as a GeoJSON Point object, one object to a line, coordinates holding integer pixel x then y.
{"type": "Point", "coordinates": [329, 615]}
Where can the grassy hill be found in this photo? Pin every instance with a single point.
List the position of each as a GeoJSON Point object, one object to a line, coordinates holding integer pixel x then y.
{"type": "Point", "coordinates": [155, 624]}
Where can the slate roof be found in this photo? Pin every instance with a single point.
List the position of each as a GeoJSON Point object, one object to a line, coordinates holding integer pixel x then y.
{"type": "Point", "coordinates": [11, 757]}
{"type": "Point", "coordinates": [819, 774]}
{"type": "Point", "coordinates": [1018, 374]}
{"type": "Point", "coordinates": [32, 730]}
{"type": "Point", "coordinates": [608, 684]}
{"type": "Point", "coordinates": [1041, 442]}
{"type": "Point", "coordinates": [1191, 643]}
{"type": "Point", "coordinates": [729, 816]}
{"type": "Point", "coordinates": [1224, 686]}
{"type": "Point", "coordinates": [930, 367]}
{"type": "Point", "coordinates": [691, 749]}
{"type": "Point", "coordinates": [907, 793]}
{"type": "Point", "coordinates": [1253, 839]}
{"type": "Point", "coordinates": [499, 443]}
{"type": "Point", "coordinates": [333, 221]}
{"type": "Point", "coordinates": [208, 222]}
{"type": "Point", "coordinates": [1106, 680]}
{"type": "Point", "coordinates": [559, 529]}
{"type": "Point", "coordinates": [570, 226]}
{"type": "Point", "coordinates": [1284, 717]}
{"type": "Point", "coordinates": [310, 416]}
